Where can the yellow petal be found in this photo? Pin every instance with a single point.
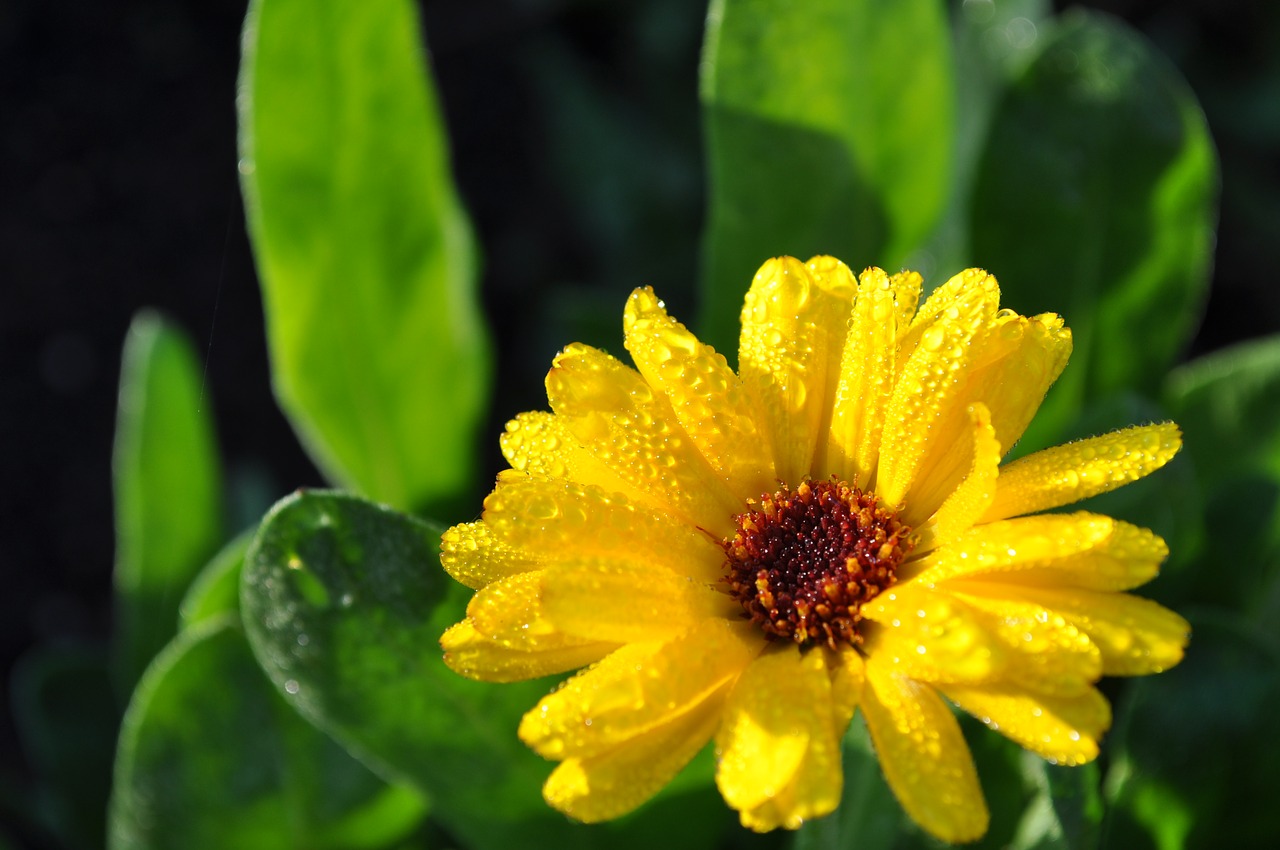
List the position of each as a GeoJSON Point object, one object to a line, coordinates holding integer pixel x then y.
{"type": "Point", "coordinates": [793, 328]}
{"type": "Point", "coordinates": [616, 782]}
{"type": "Point", "coordinates": [930, 635]}
{"type": "Point", "coordinates": [1053, 550]}
{"type": "Point", "coordinates": [625, 602]}
{"type": "Point", "coordinates": [779, 751]}
{"type": "Point", "coordinates": [1018, 361]}
{"type": "Point", "coordinates": [931, 378]}
{"type": "Point", "coordinates": [707, 397]}
{"type": "Point", "coordinates": [470, 553]}
{"type": "Point", "coordinates": [963, 507]}
{"type": "Point", "coordinates": [924, 756]}
{"type": "Point", "coordinates": [620, 420]}
{"type": "Point", "coordinates": [539, 443]}
{"type": "Point", "coordinates": [509, 612]}
{"type": "Point", "coordinates": [1135, 636]}
{"type": "Point", "coordinates": [638, 688]}
{"type": "Point", "coordinates": [1064, 730]}
{"type": "Point", "coordinates": [561, 520]}
{"type": "Point", "coordinates": [1066, 474]}
{"type": "Point", "coordinates": [945, 638]}
{"type": "Point", "coordinates": [848, 676]}
{"type": "Point", "coordinates": [866, 378]}
{"type": "Point", "coordinates": [473, 655]}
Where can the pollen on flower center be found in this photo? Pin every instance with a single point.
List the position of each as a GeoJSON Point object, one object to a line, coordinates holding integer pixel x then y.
{"type": "Point", "coordinates": [804, 562]}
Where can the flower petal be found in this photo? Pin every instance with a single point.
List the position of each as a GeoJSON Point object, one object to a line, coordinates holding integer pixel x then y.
{"type": "Point", "coordinates": [945, 638]}
{"type": "Point", "coordinates": [619, 419]}
{"type": "Point", "coordinates": [539, 443]}
{"type": "Point", "coordinates": [475, 656]}
{"type": "Point", "coordinates": [1136, 636]}
{"type": "Point", "coordinates": [866, 377]}
{"type": "Point", "coordinates": [639, 687]}
{"type": "Point", "coordinates": [1064, 730]}
{"type": "Point", "coordinates": [924, 756]}
{"type": "Point", "coordinates": [1065, 474]}
{"type": "Point", "coordinates": [616, 782]}
{"type": "Point", "coordinates": [779, 753]}
{"type": "Point", "coordinates": [470, 553]}
{"type": "Point", "coordinates": [793, 327]}
{"type": "Point", "coordinates": [1073, 550]}
{"type": "Point", "coordinates": [625, 602]}
{"type": "Point", "coordinates": [560, 520]}
{"type": "Point", "coordinates": [509, 612]}
{"type": "Point", "coordinates": [1020, 359]}
{"type": "Point", "coordinates": [932, 372]}
{"type": "Point", "coordinates": [707, 397]}
{"type": "Point", "coordinates": [963, 507]}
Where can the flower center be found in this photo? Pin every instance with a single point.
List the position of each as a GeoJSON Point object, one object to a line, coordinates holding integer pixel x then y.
{"type": "Point", "coordinates": [804, 562]}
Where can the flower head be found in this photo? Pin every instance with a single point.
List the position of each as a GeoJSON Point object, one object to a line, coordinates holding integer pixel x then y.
{"type": "Point", "coordinates": [755, 556]}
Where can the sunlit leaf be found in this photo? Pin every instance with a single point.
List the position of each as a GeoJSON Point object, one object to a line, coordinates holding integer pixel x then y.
{"type": "Point", "coordinates": [216, 590]}
{"type": "Point", "coordinates": [344, 602]}
{"type": "Point", "coordinates": [1096, 199]}
{"type": "Point", "coordinates": [829, 130]}
{"type": "Point", "coordinates": [167, 488]}
{"type": "Point", "coordinates": [211, 757]}
{"type": "Point", "coordinates": [367, 262]}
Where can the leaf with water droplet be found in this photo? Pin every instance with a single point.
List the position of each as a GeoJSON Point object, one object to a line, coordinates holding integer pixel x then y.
{"type": "Point", "coordinates": [370, 673]}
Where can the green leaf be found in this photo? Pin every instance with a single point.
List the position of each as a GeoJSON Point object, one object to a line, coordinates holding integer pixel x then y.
{"type": "Point", "coordinates": [869, 816]}
{"type": "Point", "coordinates": [167, 488]}
{"type": "Point", "coordinates": [65, 712]}
{"type": "Point", "coordinates": [1066, 811]}
{"type": "Point", "coordinates": [1096, 199]}
{"type": "Point", "coordinates": [211, 757]}
{"type": "Point", "coordinates": [1193, 763]}
{"type": "Point", "coordinates": [829, 130]}
{"type": "Point", "coordinates": [216, 590]}
{"type": "Point", "coordinates": [1228, 404]}
{"type": "Point", "coordinates": [344, 603]}
{"type": "Point", "coordinates": [379, 353]}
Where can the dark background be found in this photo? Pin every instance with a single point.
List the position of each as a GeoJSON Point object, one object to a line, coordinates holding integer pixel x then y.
{"type": "Point", "coordinates": [577, 149]}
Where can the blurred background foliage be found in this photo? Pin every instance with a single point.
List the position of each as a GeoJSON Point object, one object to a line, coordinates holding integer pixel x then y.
{"type": "Point", "coordinates": [594, 147]}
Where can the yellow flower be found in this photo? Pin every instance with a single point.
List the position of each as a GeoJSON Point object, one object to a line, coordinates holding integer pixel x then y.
{"type": "Point", "coordinates": [753, 557]}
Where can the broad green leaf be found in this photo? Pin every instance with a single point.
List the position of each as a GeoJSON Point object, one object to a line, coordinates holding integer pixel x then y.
{"type": "Point", "coordinates": [1096, 199]}
{"type": "Point", "coordinates": [1193, 748]}
{"type": "Point", "coordinates": [167, 488]}
{"type": "Point", "coordinates": [1066, 811]}
{"type": "Point", "coordinates": [379, 353]}
{"type": "Point", "coordinates": [829, 130]}
{"type": "Point", "coordinates": [344, 602]}
{"type": "Point", "coordinates": [1228, 404]}
{"type": "Point", "coordinates": [66, 715]}
{"type": "Point", "coordinates": [211, 757]}
{"type": "Point", "coordinates": [216, 590]}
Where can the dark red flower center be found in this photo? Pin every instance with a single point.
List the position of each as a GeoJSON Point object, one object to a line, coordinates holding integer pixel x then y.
{"type": "Point", "coordinates": [805, 561]}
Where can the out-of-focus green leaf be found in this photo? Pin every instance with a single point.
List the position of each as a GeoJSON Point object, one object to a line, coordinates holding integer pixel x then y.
{"type": "Point", "coordinates": [216, 590]}
{"type": "Point", "coordinates": [1066, 811]}
{"type": "Point", "coordinates": [1096, 199]}
{"type": "Point", "coordinates": [344, 602]}
{"type": "Point", "coordinates": [829, 130]}
{"type": "Point", "coordinates": [211, 757]}
{"type": "Point", "coordinates": [869, 816]}
{"type": "Point", "coordinates": [991, 44]}
{"type": "Point", "coordinates": [66, 715]}
{"type": "Point", "coordinates": [167, 489]}
{"type": "Point", "coordinates": [1228, 404]}
{"type": "Point", "coordinates": [1191, 766]}
{"type": "Point", "coordinates": [379, 353]}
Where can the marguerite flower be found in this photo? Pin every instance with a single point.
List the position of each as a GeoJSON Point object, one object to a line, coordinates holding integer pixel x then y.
{"type": "Point", "coordinates": [754, 557]}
